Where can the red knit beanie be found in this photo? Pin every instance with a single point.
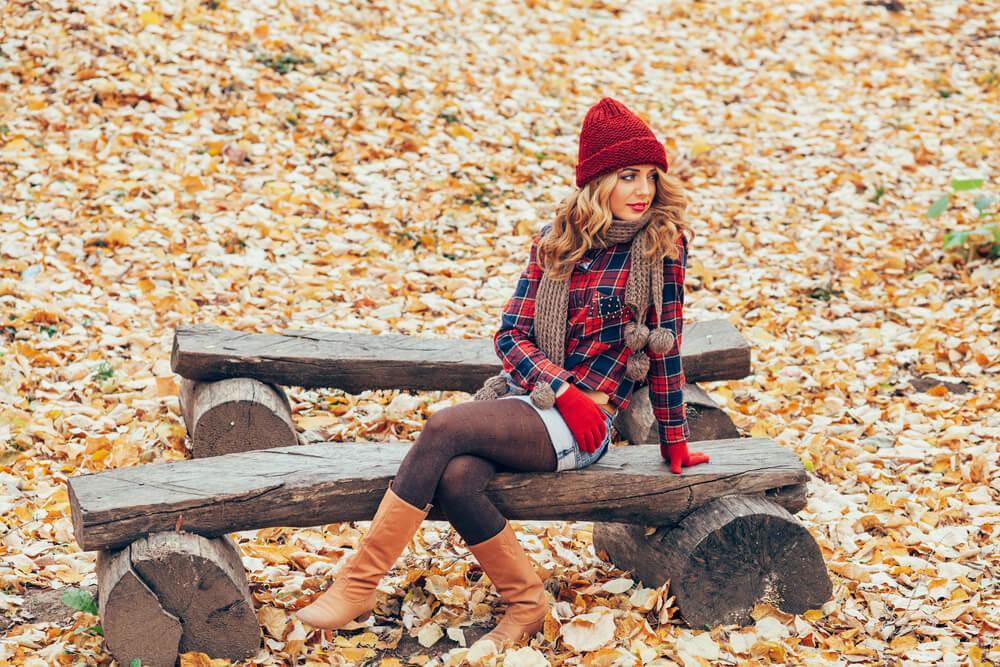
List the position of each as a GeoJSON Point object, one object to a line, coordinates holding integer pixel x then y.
{"type": "Point", "coordinates": [613, 137]}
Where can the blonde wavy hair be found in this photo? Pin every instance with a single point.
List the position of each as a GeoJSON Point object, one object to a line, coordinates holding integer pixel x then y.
{"type": "Point", "coordinates": [586, 213]}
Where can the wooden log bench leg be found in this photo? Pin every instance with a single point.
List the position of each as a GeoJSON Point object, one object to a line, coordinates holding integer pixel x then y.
{"type": "Point", "coordinates": [174, 592]}
{"type": "Point", "coordinates": [235, 415]}
{"type": "Point", "coordinates": [135, 624]}
{"type": "Point", "coordinates": [723, 558]}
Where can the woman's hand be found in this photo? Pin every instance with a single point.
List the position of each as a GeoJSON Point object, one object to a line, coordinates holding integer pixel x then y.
{"type": "Point", "coordinates": [584, 418]}
{"type": "Point", "coordinates": [678, 456]}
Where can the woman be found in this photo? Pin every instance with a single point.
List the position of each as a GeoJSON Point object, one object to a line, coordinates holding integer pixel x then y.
{"type": "Point", "coordinates": [575, 335]}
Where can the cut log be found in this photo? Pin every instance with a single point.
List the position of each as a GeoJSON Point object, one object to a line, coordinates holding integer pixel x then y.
{"type": "Point", "coordinates": [235, 415]}
{"type": "Point", "coordinates": [202, 582]}
{"type": "Point", "coordinates": [311, 485]}
{"type": "Point", "coordinates": [357, 362]}
{"type": "Point", "coordinates": [724, 558]}
{"type": "Point", "coordinates": [135, 625]}
{"type": "Point", "coordinates": [637, 424]}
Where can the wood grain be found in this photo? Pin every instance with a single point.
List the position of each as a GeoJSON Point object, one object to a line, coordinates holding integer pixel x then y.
{"type": "Point", "coordinates": [235, 415]}
{"type": "Point", "coordinates": [135, 625]}
{"type": "Point", "coordinates": [722, 559]}
{"type": "Point", "coordinates": [356, 362]}
{"type": "Point", "coordinates": [309, 485]}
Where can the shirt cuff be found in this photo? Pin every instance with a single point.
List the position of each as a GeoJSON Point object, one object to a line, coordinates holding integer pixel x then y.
{"type": "Point", "coordinates": [557, 380]}
{"type": "Point", "coordinates": [672, 435]}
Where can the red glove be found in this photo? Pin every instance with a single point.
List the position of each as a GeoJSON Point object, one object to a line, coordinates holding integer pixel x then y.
{"type": "Point", "coordinates": [584, 418]}
{"type": "Point", "coordinates": [678, 456]}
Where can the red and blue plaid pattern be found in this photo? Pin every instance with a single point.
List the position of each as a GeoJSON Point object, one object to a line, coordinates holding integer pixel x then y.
{"type": "Point", "coordinates": [595, 339]}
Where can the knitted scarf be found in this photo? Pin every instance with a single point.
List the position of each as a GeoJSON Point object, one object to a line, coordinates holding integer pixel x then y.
{"type": "Point", "coordinates": [644, 286]}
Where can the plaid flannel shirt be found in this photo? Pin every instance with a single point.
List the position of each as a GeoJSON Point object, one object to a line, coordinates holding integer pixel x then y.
{"type": "Point", "coordinates": [595, 347]}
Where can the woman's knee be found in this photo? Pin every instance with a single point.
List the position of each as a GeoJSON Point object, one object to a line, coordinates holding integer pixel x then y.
{"type": "Point", "coordinates": [465, 476]}
{"type": "Point", "coordinates": [443, 427]}
{"type": "Point", "coordinates": [441, 422]}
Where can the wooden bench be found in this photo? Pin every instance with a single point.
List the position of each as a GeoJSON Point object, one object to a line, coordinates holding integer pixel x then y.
{"type": "Point", "coordinates": [170, 577]}
{"type": "Point", "coordinates": [232, 397]}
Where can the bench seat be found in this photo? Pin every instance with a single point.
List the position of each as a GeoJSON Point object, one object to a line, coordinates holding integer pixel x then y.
{"type": "Point", "coordinates": [310, 485]}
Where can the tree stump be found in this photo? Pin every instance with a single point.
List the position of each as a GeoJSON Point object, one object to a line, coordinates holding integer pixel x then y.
{"type": "Point", "coordinates": [141, 627]}
{"type": "Point", "coordinates": [195, 580]}
{"type": "Point", "coordinates": [235, 415]}
{"type": "Point", "coordinates": [707, 420]}
{"type": "Point", "coordinates": [723, 558]}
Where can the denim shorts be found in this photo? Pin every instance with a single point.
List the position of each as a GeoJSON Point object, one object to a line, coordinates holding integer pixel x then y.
{"type": "Point", "coordinates": [568, 452]}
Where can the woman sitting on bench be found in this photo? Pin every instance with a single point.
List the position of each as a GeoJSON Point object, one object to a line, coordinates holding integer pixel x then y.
{"type": "Point", "coordinates": [598, 309]}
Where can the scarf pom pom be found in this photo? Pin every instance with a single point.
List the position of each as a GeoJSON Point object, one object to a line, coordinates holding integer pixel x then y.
{"type": "Point", "coordinates": [661, 341]}
{"type": "Point", "coordinates": [637, 366]}
{"type": "Point", "coordinates": [542, 395]}
{"type": "Point", "coordinates": [494, 387]}
{"type": "Point", "coordinates": [636, 335]}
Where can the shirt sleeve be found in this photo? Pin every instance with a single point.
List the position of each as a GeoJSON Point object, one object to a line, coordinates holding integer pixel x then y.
{"type": "Point", "coordinates": [515, 340]}
{"type": "Point", "coordinates": [666, 373]}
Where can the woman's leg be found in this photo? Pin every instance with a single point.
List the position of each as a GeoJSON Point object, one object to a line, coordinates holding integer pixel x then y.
{"type": "Point", "coordinates": [508, 431]}
{"type": "Point", "coordinates": [460, 494]}
{"type": "Point", "coordinates": [459, 453]}
{"type": "Point", "coordinates": [505, 431]}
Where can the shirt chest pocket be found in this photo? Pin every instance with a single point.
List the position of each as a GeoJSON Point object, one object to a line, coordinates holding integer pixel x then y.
{"type": "Point", "coordinates": [606, 316]}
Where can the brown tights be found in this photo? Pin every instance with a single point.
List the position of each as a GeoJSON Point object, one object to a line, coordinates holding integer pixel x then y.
{"type": "Point", "coordinates": [459, 451]}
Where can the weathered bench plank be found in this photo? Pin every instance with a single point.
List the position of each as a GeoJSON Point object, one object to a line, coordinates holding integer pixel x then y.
{"type": "Point", "coordinates": [355, 362]}
{"type": "Point", "coordinates": [310, 485]}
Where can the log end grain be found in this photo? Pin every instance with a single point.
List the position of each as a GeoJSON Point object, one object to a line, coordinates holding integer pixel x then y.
{"type": "Point", "coordinates": [135, 625]}
{"type": "Point", "coordinates": [724, 558]}
{"type": "Point", "coordinates": [235, 415]}
{"type": "Point", "coordinates": [201, 581]}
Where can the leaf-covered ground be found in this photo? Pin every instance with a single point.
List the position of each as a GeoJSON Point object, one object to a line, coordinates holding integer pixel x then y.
{"type": "Point", "coordinates": [380, 168]}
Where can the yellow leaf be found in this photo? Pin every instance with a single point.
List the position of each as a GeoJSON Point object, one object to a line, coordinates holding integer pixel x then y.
{"type": "Point", "coordinates": [17, 145]}
{"type": "Point", "coordinates": [903, 643]}
{"type": "Point", "coordinates": [166, 386]}
{"type": "Point", "coordinates": [215, 147]}
{"type": "Point", "coordinates": [272, 555]}
{"type": "Point", "coordinates": [878, 503]}
{"type": "Point", "coordinates": [119, 236]}
{"type": "Point", "coordinates": [952, 612]}
{"type": "Point", "coordinates": [762, 428]}
{"type": "Point", "coordinates": [150, 18]}
{"type": "Point", "coordinates": [700, 146]}
{"type": "Point", "coordinates": [261, 30]}
{"type": "Point", "coordinates": [356, 656]}
{"type": "Point", "coordinates": [459, 130]}
{"type": "Point", "coordinates": [192, 184]}
{"type": "Point", "coordinates": [195, 659]}
{"type": "Point", "coordinates": [773, 650]}
{"type": "Point", "coordinates": [524, 228]}
{"type": "Point", "coordinates": [274, 620]}
{"type": "Point", "coordinates": [316, 421]}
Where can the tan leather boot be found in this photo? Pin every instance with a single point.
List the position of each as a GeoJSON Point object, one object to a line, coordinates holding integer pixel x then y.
{"type": "Point", "coordinates": [352, 595]}
{"type": "Point", "coordinates": [512, 572]}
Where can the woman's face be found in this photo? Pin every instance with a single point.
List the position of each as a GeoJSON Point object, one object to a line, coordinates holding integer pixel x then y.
{"type": "Point", "coordinates": [636, 185]}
